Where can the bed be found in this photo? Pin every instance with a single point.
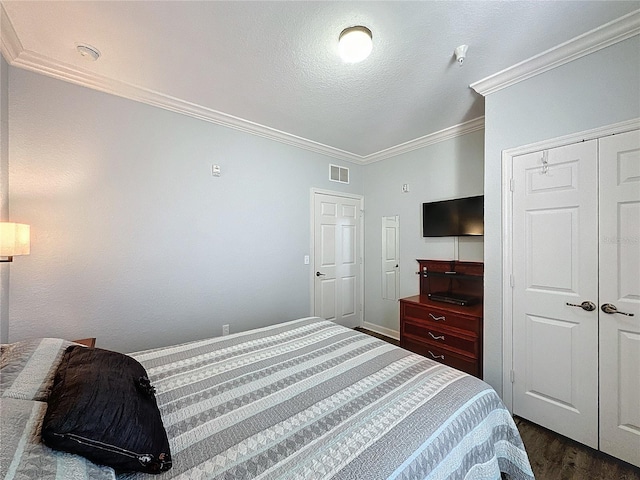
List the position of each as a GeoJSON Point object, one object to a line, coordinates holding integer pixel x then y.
{"type": "Point", "coordinates": [305, 399]}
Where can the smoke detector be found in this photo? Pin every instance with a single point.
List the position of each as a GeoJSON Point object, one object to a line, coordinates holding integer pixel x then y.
{"type": "Point", "coordinates": [88, 52]}
{"type": "Point", "coordinates": [461, 53]}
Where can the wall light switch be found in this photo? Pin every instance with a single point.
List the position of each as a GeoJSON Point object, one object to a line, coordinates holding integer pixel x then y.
{"type": "Point", "coordinates": [405, 188]}
{"type": "Point", "coordinates": [215, 170]}
{"type": "Point", "coordinates": [306, 259]}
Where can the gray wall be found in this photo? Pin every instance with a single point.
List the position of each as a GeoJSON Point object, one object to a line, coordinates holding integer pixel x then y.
{"type": "Point", "coordinates": [597, 90]}
{"type": "Point", "coordinates": [4, 193]}
{"type": "Point", "coordinates": [449, 169]}
{"type": "Point", "coordinates": [133, 240]}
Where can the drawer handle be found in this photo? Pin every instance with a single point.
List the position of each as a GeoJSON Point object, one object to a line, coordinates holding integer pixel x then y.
{"type": "Point", "coordinates": [437, 319]}
{"type": "Point", "coordinates": [436, 337]}
{"type": "Point", "coordinates": [441, 357]}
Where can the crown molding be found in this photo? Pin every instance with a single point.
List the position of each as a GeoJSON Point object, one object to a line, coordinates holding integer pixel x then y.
{"type": "Point", "coordinates": [436, 137]}
{"type": "Point", "coordinates": [17, 56]}
{"type": "Point", "coordinates": [10, 44]}
{"type": "Point", "coordinates": [46, 66]}
{"type": "Point", "coordinates": [608, 34]}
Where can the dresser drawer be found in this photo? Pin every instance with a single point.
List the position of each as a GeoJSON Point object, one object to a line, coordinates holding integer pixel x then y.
{"type": "Point", "coordinates": [431, 317]}
{"type": "Point", "coordinates": [442, 355]}
{"type": "Point", "coordinates": [442, 336]}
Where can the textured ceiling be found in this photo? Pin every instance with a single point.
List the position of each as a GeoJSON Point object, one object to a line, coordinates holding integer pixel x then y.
{"type": "Point", "coordinates": [275, 64]}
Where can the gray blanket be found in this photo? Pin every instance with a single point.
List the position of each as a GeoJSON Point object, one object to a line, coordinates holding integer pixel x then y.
{"type": "Point", "coordinates": [306, 399]}
{"type": "Point", "coordinates": [310, 399]}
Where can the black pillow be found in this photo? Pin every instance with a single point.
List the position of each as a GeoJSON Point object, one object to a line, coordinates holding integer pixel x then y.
{"type": "Point", "coordinates": [103, 407]}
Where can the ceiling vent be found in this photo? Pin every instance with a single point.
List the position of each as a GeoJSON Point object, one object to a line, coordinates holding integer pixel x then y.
{"type": "Point", "coordinates": [338, 174]}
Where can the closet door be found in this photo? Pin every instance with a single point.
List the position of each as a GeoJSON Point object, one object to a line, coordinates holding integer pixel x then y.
{"type": "Point", "coordinates": [555, 264]}
{"type": "Point", "coordinates": [620, 287]}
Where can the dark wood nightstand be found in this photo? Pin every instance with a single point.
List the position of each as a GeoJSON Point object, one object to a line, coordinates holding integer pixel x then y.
{"type": "Point", "coordinates": [88, 342]}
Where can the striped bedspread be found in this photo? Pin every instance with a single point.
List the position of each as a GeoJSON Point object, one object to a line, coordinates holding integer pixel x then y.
{"type": "Point", "coordinates": [310, 399]}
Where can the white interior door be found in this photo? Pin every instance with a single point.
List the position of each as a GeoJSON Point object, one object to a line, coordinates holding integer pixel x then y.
{"type": "Point", "coordinates": [390, 257]}
{"type": "Point", "coordinates": [337, 259]}
{"type": "Point", "coordinates": [620, 287]}
{"type": "Point", "coordinates": [555, 263]}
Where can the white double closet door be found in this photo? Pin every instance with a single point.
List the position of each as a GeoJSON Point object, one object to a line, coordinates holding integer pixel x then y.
{"type": "Point", "coordinates": [576, 238]}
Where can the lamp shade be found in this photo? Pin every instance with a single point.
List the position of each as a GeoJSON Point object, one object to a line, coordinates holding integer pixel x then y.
{"type": "Point", "coordinates": [15, 239]}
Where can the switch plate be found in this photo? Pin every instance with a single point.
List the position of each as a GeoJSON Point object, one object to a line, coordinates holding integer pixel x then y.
{"type": "Point", "coordinates": [405, 188]}
{"type": "Point", "coordinates": [306, 259]}
{"type": "Point", "coordinates": [215, 170]}
{"type": "Point", "coordinates": [225, 329]}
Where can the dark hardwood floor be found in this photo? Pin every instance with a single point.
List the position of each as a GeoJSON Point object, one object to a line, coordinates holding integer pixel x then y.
{"type": "Point", "coordinates": [554, 457]}
{"type": "Point", "coordinates": [379, 335]}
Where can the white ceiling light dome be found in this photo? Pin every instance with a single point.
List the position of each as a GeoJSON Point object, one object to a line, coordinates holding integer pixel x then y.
{"type": "Point", "coordinates": [355, 44]}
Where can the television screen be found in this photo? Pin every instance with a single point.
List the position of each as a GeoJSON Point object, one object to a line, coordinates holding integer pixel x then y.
{"type": "Point", "coordinates": [452, 218]}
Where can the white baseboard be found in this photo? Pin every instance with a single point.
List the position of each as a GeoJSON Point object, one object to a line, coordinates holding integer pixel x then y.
{"type": "Point", "coordinates": [381, 330]}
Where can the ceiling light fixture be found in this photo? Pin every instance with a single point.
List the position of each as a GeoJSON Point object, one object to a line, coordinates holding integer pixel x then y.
{"type": "Point", "coordinates": [88, 52]}
{"type": "Point", "coordinates": [355, 44]}
{"type": "Point", "coordinates": [461, 53]}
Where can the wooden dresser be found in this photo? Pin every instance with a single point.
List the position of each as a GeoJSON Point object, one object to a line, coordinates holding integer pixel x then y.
{"type": "Point", "coordinates": [442, 331]}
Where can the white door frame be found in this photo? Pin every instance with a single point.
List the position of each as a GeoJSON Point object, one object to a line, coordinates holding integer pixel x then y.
{"type": "Point", "coordinates": [507, 240]}
{"type": "Point", "coordinates": [312, 269]}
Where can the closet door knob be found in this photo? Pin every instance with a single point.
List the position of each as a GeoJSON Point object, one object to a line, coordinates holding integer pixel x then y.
{"type": "Point", "coordinates": [318, 274]}
{"type": "Point", "coordinates": [588, 306]}
{"type": "Point", "coordinates": [610, 309]}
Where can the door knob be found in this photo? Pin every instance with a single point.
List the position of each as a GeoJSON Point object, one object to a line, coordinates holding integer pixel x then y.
{"type": "Point", "coordinates": [588, 306]}
{"type": "Point", "coordinates": [318, 274]}
{"type": "Point", "coordinates": [610, 308]}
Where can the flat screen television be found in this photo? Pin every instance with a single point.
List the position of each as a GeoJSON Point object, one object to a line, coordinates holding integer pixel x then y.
{"type": "Point", "coordinates": [453, 218]}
